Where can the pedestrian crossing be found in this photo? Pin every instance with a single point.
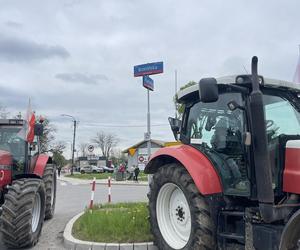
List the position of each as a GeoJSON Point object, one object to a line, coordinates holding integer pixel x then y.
{"type": "Point", "coordinates": [66, 183]}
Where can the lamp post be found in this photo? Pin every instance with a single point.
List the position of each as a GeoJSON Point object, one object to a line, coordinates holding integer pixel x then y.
{"type": "Point", "coordinates": [74, 134]}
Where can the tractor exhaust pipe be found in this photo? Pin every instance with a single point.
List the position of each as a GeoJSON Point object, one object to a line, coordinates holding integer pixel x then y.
{"type": "Point", "coordinates": [263, 173]}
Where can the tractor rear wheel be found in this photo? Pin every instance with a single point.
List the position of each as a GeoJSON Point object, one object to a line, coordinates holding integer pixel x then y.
{"type": "Point", "coordinates": [180, 218]}
{"type": "Point", "coordinates": [23, 213]}
{"type": "Point", "coordinates": [49, 179]}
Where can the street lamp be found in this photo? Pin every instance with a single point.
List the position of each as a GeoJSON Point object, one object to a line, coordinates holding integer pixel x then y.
{"type": "Point", "coordinates": [73, 149]}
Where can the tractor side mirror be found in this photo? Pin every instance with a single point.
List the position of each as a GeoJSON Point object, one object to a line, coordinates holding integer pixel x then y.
{"type": "Point", "coordinates": [175, 126]}
{"type": "Point", "coordinates": [208, 90]}
{"type": "Point", "coordinates": [38, 129]}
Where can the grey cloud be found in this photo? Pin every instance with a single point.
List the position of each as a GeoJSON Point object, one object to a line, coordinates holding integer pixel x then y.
{"type": "Point", "coordinates": [72, 3]}
{"type": "Point", "coordinates": [12, 99]}
{"type": "Point", "coordinates": [18, 50]}
{"type": "Point", "coordinates": [81, 78]}
{"type": "Point", "coordinates": [14, 25]}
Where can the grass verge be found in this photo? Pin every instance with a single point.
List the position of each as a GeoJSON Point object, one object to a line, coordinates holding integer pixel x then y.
{"type": "Point", "coordinates": [90, 176]}
{"type": "Point", "coordinates": [121, 222]}
{"type": "Point", "coordinates": [142, 176]}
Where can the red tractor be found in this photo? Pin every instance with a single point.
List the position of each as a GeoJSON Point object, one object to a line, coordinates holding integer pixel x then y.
{"type": "Point", "coordinates": [27, 185]}
{"type": "Point", "coordinates": [234, 183]}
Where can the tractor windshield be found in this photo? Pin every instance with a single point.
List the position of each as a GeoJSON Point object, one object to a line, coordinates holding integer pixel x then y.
{"type": "Point", "coordinates": [12, 142]}
{"type": "Point", "coordinates": [281, 117]}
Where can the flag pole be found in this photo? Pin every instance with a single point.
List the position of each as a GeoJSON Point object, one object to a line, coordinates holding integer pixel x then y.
{"type": "Point", "coordinates": [296, 78]}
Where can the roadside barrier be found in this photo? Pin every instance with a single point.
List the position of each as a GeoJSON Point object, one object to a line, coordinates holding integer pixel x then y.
{"type": "Point", "coordinates": [109, 189]}
{"type": "Point", "coordinates": [93, 193]}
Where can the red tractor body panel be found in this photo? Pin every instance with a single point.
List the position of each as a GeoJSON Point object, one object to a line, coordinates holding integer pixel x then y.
{"type": "Point", "coordinates": [291, 174]}
{"type": "Point", "coordinates": [197, 164]}
{"type": "Point", "coordinates": [40, 164]}
{"type": "Point", "coordinates": [5, 168]}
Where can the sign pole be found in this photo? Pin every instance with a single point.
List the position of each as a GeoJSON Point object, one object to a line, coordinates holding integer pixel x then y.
{"type": "Point", "coordinates": [148, 126]}
{"type": "Point", "coordinates": [145, 70]}
{"type": "Point", "coordinates": [149, 133]}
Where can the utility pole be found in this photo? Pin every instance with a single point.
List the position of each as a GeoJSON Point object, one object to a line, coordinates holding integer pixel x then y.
{"type": "Point", "coordinates": [73, 150]}
{"type": "Point", "coordinates": [74, 135]}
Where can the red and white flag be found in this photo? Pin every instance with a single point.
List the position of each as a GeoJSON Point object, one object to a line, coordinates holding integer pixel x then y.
{"type": "Point", "coordinates": [27, 132]}
{"type": "Point", "coordinates": [296, 78]}
{"type": "Point", "coordinates": [30, 124]}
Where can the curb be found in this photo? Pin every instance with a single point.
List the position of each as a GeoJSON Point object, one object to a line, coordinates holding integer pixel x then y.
{"type": "Point", "coordinates": [72, 243]}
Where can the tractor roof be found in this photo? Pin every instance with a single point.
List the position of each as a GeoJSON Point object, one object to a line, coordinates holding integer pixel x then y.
{"type": "Point", "coordinates": [227, 80]}
{"type": "Point", "coordinates": [11, 122]}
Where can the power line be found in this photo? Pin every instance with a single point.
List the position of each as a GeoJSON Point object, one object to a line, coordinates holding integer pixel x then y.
{"type": "Point", "coordinates": [120, 126]}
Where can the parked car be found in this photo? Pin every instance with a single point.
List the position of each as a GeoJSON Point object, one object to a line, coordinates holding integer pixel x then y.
{"type": "Point", "coordinates": [91, 169]}
{"type": "Point", "coordinates": [108, 169]}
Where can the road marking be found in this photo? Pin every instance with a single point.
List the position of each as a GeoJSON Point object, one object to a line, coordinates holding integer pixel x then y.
{"type": "Point", "coordinates": [63, 184]}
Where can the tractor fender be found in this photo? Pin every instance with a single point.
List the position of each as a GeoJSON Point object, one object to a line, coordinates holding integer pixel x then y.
{"type": "Point", "coordinates": [40, 164]}
{"type": "Point", "coordinates": [196, 163]}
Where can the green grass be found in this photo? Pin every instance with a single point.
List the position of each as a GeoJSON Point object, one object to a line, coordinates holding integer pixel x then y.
{"type": "Point", "coordinates": [90, 176]}
{"type": "Point", "coordinates": [142, 176]}
{"type": "Point", "coordinates": [121, 222]}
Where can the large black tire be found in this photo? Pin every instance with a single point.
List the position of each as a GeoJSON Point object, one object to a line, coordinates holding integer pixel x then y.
{"type": "Point", "coordinates": [202, 229]}
{"type": "Point", "coordinates": [49, 179]}
{"type": "Point", "coordinates": [17, 216]}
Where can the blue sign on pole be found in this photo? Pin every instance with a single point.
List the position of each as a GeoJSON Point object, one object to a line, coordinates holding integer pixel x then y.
{"type": "Point", "coordinates": [148, 83]}
{"type": "Point", "coordinates": [148, 69]}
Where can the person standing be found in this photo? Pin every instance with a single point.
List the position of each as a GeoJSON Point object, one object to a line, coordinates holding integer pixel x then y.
{"type": "Point", "coordinates": [58, 171]}
{"type": "Point", "coordinates": [136, 173]}
{"type": "Point", "coordinates": [122, 170]}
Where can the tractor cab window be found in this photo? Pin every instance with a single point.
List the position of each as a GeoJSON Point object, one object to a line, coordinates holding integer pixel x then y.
{"type": "Point", "coordinates": [278, 111]}
{"type": "Point", "coordinates": [281, 119]}
{"type": "Point", "coordinates": [12, 142]}
{"type": "Point", "coordinates": [217, 132]}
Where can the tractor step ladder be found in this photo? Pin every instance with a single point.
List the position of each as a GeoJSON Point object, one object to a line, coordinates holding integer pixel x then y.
{"type": "Point", "coordinates": [228, 232]}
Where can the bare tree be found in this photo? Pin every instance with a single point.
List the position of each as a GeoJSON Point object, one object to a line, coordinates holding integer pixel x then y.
{"type": "Point", "coordinates": [83, 148]}
{"type": "Point", "coordinates": [48, 136]}
{"type": "Point", "coordinates": [59, 147]}
{"type": "Point", "coordinates": [106, 142]}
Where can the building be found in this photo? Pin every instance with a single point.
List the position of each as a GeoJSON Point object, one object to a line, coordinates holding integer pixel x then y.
{"type": "Point", "coordinates": [138, 153]}
{"type": "Point", "coordinates": [93, 160]}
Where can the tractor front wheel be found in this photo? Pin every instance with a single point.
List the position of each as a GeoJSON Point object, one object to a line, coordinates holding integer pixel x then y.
{"type": "Point", "coordinates": [49, 179]}
{"type": "Point", "coordinates": [23, 213]}
{"type": "Point", "coordinates": [179, 216]}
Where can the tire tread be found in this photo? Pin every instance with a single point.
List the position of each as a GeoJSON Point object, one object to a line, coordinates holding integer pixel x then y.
{"type": "Point", "coordinates": [17, 212]}
{"type": "Point", "coordinates": [203, 228]}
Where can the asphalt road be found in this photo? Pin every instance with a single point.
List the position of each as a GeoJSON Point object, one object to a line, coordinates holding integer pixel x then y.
{"type": "Point", "coordinates": [71, 200]}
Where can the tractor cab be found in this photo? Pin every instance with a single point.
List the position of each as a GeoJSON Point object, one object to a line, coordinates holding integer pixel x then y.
{"type": "Point", "coordinates": [15, 151]}
{"type": "Point", "coordinates": [234, 181]}
{"type": "Point", "coordinates": [221, 128]}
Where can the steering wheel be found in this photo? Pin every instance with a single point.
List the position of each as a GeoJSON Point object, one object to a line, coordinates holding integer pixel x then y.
{"type": "Point", "coordinates": [269, 123]}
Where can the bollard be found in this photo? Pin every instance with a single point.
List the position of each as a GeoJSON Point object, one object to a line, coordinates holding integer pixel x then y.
{"type": "Point", "coordinates": [109, 190]}
{"type": "Point", "coordinates": [93, 193]}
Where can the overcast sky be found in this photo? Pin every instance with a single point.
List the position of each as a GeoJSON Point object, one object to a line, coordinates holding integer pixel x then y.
{"type": "Point", "coordinates": [76, 57]}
